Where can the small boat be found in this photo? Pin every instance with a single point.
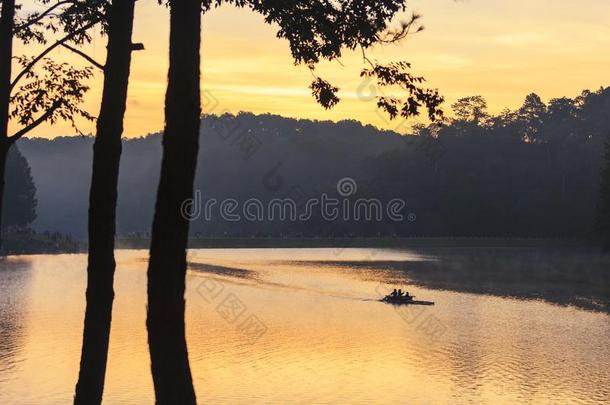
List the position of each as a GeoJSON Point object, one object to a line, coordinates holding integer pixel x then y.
{"type": "Point", "coordinates": [404, 299]}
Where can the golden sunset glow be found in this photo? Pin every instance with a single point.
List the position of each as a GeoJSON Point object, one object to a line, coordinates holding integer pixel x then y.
{"type": "Point", "coordinates": [501, 50]}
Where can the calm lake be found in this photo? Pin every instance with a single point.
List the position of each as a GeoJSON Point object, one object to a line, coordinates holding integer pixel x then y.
{"type": "Point", "coordinates": [305, 326]}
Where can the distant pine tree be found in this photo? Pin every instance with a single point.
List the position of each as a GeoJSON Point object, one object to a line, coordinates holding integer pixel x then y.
{"type": "Point", "coordinates": [603, 219]}
{"type": "Point", "coordinates": [20, 196]}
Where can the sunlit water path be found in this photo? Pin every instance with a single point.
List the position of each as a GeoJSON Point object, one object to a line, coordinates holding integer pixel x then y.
{"type": "Point", "coordinates": [302, 326]}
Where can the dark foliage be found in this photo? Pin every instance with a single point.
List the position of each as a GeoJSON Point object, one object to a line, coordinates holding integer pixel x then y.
{"type": "Point", "coordinates": [20, 197]}
{"type": "Point", "coordinates": [397, 74]}
{"type": "Point", "coordinates": [320, 30]}
{"type": "Point", "coordinates": [532, 172]}
{"type": "Point", "coordinates": [324, 93]}
{"type": "Point", "coordinates": [52, 93]}
{"type": "Point", "coordinates": [61, 16]}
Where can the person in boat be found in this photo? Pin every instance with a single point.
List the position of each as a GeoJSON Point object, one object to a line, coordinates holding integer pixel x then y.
{"type": "Point", "coordinates": [394, 293]}
{"type": "Point", "coordinates": [400, 293]}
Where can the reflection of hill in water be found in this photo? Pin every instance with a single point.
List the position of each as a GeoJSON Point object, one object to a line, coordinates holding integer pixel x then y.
{"type": "Point", "coordinates": [576, 277]}
{"type": "Point", "coordinates": [222, 270]}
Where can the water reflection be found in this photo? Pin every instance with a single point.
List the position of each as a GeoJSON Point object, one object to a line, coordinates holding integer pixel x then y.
{"type": "Point", "coordinates": [327, 339]}
{"type": "Point", "coordinates": [14, 279]}
{"type": "Point", "coordinates": [577, 277]}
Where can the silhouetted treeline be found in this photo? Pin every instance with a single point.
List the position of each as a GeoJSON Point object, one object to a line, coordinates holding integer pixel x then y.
{"type": "Point", "coordinates": [26, 241]}
{"type": "Point", "coordinates": [530, 172]}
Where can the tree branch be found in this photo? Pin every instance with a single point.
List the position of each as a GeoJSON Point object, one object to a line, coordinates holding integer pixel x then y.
{"type": "Point", "coordinates": [84, 55]}
{"type": "Point", "coordinates": [41, 16]}
{"type": "Point", "coordinates": [49, 49]}
{"type": "Point", "coordinates": [14, 138]}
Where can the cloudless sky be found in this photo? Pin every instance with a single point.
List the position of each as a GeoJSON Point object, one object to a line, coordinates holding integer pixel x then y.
{"type": "Point", "coordinates": [502, 50]}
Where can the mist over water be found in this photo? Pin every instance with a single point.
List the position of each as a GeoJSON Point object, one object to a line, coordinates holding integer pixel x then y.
{"type": "Point", "coordinates": [323, 337]}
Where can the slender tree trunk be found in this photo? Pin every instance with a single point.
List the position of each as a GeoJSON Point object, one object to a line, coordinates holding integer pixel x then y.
{"type": "Point", "coordinates": [102, 205]}
{"type": "Point", "coordinates": [4, 148]}
{"type": "Point", "coordinates": [7, 23]}
{"type": "Point", "coordinates": [167, 266]}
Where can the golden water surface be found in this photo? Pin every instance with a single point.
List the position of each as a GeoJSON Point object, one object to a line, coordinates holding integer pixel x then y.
{"type": "Point", "coordinates": [298, 326]}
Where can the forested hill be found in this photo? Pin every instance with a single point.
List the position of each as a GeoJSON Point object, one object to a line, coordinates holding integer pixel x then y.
{"type": "Point", "coordinates": [529, 172]}
{"type": "Point", "coordinates": [238, 155]}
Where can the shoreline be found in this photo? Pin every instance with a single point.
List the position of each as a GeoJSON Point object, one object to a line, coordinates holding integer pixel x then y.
{"type": "Point", "coordinates": [362, 242]}
{"type": "Point", "coordinates": [78, 247]}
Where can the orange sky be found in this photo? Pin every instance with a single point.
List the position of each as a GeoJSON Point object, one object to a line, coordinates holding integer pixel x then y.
{"type": "Point", "coordinates": [499, 49]}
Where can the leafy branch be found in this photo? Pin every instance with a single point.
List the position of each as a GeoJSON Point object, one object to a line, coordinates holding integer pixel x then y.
{"type": "Point", "coordinates": [53, 95]}
{"type": "Point", "coordinates": [396, 74]}
{"type": "Point", "coordinates": [26, 69]}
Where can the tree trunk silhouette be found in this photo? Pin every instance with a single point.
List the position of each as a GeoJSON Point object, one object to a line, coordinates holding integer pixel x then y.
{"type": "Point", "coordinates": [7, 22]}
{"type": "Point", "coordinates": [102, 205]}
{"type": "Point", "coordinates": [4, 148]}
{"type": "Point", "coordinates": [167, 266]}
